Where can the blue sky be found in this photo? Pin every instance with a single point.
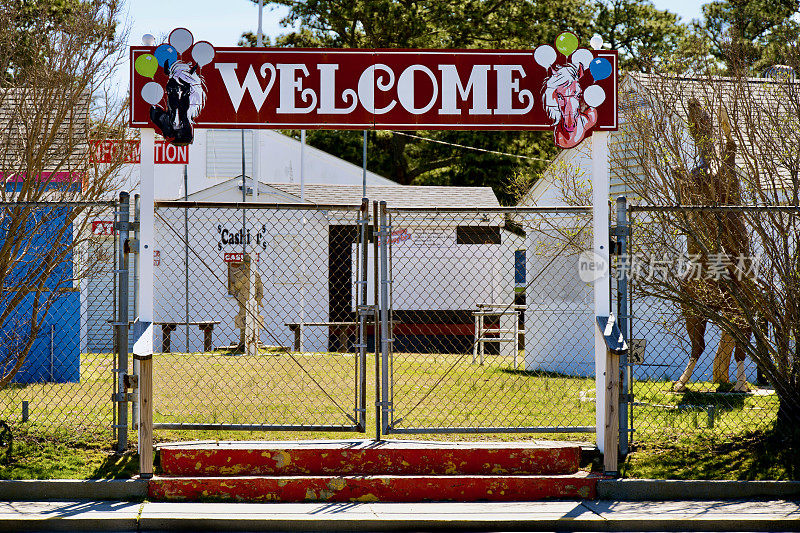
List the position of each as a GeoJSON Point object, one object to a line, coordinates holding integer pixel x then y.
{"type": "Point", "coordinates": [222, 22]}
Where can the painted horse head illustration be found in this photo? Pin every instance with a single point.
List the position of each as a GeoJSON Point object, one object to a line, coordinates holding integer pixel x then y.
{"type": "Point", "coordinates": [563, 103]}
{"type": "Point", "coordinates": [186, 97]}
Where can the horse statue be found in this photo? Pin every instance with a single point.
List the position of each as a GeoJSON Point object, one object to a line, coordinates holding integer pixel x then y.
{"type": "Point", "coordinates": [715, 233]}
{"type": "Point", "coordinates": [186, 97]}
{"type": "Point", "coordinates": [563, 103]}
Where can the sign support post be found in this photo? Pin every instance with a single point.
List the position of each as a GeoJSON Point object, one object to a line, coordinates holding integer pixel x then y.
{"type": "Point", "coordinates": [602, 282]}
{"type": "Point", "coordinates": [143, 328]}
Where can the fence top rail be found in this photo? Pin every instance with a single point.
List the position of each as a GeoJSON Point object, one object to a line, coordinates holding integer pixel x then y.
{"type": "Point", "coordinates": [257, 205]}
{"type": "Point", "coordinates": [98, 203]}
{"type": "Point", "coordinates": [713, 208]}
{"type": "Point", "coordinates": [494, 209]}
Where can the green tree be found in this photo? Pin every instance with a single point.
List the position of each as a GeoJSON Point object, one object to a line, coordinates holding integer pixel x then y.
{"type": "Point", "coordinates": [754, 34]}
{"type": "Point", "coordinates": [30, 21]}
{"type": "Point", "coordinates": [464, 24]}
{"type": "Point", "coordinates": [643, 34]}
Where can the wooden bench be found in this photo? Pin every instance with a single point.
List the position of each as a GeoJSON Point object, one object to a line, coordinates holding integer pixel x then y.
{"type": "Point", "coordinates": [206, 326]}
{"type": "Point", "coordinates": [340, 329]}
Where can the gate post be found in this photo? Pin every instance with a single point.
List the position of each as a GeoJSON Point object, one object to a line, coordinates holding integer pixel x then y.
{"type": "Point", "coordinates": [363, 310]}
{"type": "Point", "coordinates": [376, 335]}
{"type": "Point", "coordinates": [121, 323]}
{"type": "Point", "coordinates": [383, 235]}
{"type": "Point", "coordinates": [622, 230]}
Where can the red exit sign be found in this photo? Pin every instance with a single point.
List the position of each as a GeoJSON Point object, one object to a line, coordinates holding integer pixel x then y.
{"type": "Point", "coordinates": [111, 150]}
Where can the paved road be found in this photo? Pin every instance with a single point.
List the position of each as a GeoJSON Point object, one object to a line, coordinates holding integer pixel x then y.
{"type": "Point", "coordinates": [601, 515]}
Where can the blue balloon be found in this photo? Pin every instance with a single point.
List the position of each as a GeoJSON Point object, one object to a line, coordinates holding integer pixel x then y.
{"type": "Point", "coordinates": [165, 53]}
{"type": "Point", "coordinates": [600, 68]}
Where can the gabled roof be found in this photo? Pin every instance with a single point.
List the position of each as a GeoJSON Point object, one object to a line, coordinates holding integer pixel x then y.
{"type": "Point", "coordinates": [62, 142]}
{"type": "Point", "coordinates": [393, 195]}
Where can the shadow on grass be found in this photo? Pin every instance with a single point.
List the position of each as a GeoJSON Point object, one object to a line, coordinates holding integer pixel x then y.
{"type": "Point", "coordinates": [758, 455]}
{"type": "Point", "coordinates": [117, 466]}
{"type": "Point", "coordinates": [540, 374]}
{"type": "Point", "coordinates": [727, 401]}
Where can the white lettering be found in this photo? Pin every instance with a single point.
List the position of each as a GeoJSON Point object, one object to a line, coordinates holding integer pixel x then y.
{"type": "Point", "coordinates": [327, 92]}
{"type": "Point", "coordinates": [477, 85]}
{"type": "Point", "coordinates": [507, 86]}
{"type": "Point", "coordinates": [251, 84]}
{"type": "Point", "coordinates": [290, 83]}
{"type": "Point", "coordinates": [406, 93]}
{"type": "Point", "coordinates": [366, 87]}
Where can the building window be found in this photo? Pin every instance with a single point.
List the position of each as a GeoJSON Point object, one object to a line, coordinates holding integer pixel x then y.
{"type": "Point", "coordinates": [478, 235]}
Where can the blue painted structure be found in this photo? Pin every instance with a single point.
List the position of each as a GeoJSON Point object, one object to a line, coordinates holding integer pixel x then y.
{"type": "Point", "coordinates": [55, 353]}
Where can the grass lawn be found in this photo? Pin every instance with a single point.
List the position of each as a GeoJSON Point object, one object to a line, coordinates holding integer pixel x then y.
{"type": "Point", "coordinates": [69, 431]}
{"type": "Point", "coordinates": [755, 455]}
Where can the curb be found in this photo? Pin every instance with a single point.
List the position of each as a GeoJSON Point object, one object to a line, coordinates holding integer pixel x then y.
{"type": "Point", "coordinates": [59, 489]}
{"type": "Point", "coordinates": [660, 489]}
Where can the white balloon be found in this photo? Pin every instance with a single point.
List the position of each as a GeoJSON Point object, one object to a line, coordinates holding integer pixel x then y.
{"type": "Point", "coordinates": [152, 92]}
{"type": "Point", "coordinates": [596, 42]}
{"type": "Point", "coordinates": [594, 95]}
{"type": "Point", "coordinates": [545, 55]}
{"type": "Point", "coordinates": [203, 53]}
{"type": "Point", "coordinates": [181, 39]}
{"type": "Point", "coordinates": [583, 57]}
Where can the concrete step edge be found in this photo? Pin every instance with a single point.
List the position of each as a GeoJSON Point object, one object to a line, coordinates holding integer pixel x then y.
{"type": "Point", "coordinates": [674, 489]}
{"type": "Point", "coordinates": [92, 489]}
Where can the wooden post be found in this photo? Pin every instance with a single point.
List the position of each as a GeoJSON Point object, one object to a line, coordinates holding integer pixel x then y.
{"type": "Point", "coordinates": [145, 415]}
{"type": "Point", "coordinates": [615, 345]}
{"type": "Point", "coordinates": [611, 447]}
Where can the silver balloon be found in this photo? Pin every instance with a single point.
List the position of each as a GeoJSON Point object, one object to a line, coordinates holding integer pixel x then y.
{"type": "Point", "coordinates": [181, 39]}
{"type": "Point", "coordinates": [582, 56]}
{"type": "Point", "coordinates": [545, 55]}
{"type": "Point", "coordinates": [152, 92]}
{"type": "Point", "coordinates": [203, 53]}
{"type": "Point", "coordinates": [594, 95]}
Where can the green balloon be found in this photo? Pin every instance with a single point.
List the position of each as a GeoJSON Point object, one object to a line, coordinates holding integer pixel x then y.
{"type": "Point", "coordinates": [566, 43]}
{"type": "Point", "coordinates": [146, 65]}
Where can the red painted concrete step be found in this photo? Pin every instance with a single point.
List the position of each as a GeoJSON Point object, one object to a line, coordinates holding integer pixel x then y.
{"type": "Point", "coordinates": [373, 488]}
{"type": "Point", "coordinates": [365, 458]}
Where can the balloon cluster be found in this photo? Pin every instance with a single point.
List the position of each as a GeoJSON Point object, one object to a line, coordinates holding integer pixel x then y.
{"type": "Point", "coordinates": [567, 44]}
{"type": "Point", "coordinates": [179, 41]}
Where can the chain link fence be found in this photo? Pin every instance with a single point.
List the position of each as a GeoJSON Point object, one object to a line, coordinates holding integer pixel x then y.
{"type": "Point", "coordinates": [257, 317]}
{"type": "Point", "coordinates": [59, 268]}
{"type": "Point", "coordinates": [690, 270]}
{"type": "Point", "coordinates": [491, 325]}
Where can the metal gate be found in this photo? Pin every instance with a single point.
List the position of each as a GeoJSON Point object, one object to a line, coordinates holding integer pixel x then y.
{"type": "Point", "coordinates": [258, 307]}
{"type": "Point", "coordinates": [489, 328]}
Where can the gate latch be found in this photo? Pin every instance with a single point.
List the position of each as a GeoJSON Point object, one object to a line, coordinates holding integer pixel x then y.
{"type": "Point", "coordinates": [130, 381]}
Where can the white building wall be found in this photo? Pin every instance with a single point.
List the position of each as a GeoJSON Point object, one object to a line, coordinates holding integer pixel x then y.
{"type": "Point", "coordinates": [291, 293]}
{"type": "Point", "coordinates": [559, 329]}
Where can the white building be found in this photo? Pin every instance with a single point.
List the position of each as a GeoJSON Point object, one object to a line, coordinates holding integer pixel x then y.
{"type": "Point", "coordinates": [560, 325]}
{"type": "Point", "coordinates": [307, 262]}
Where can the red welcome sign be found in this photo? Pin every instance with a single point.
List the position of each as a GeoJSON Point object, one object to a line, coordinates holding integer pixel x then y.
{"type": "Point", "coordinates": [284, 88]}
